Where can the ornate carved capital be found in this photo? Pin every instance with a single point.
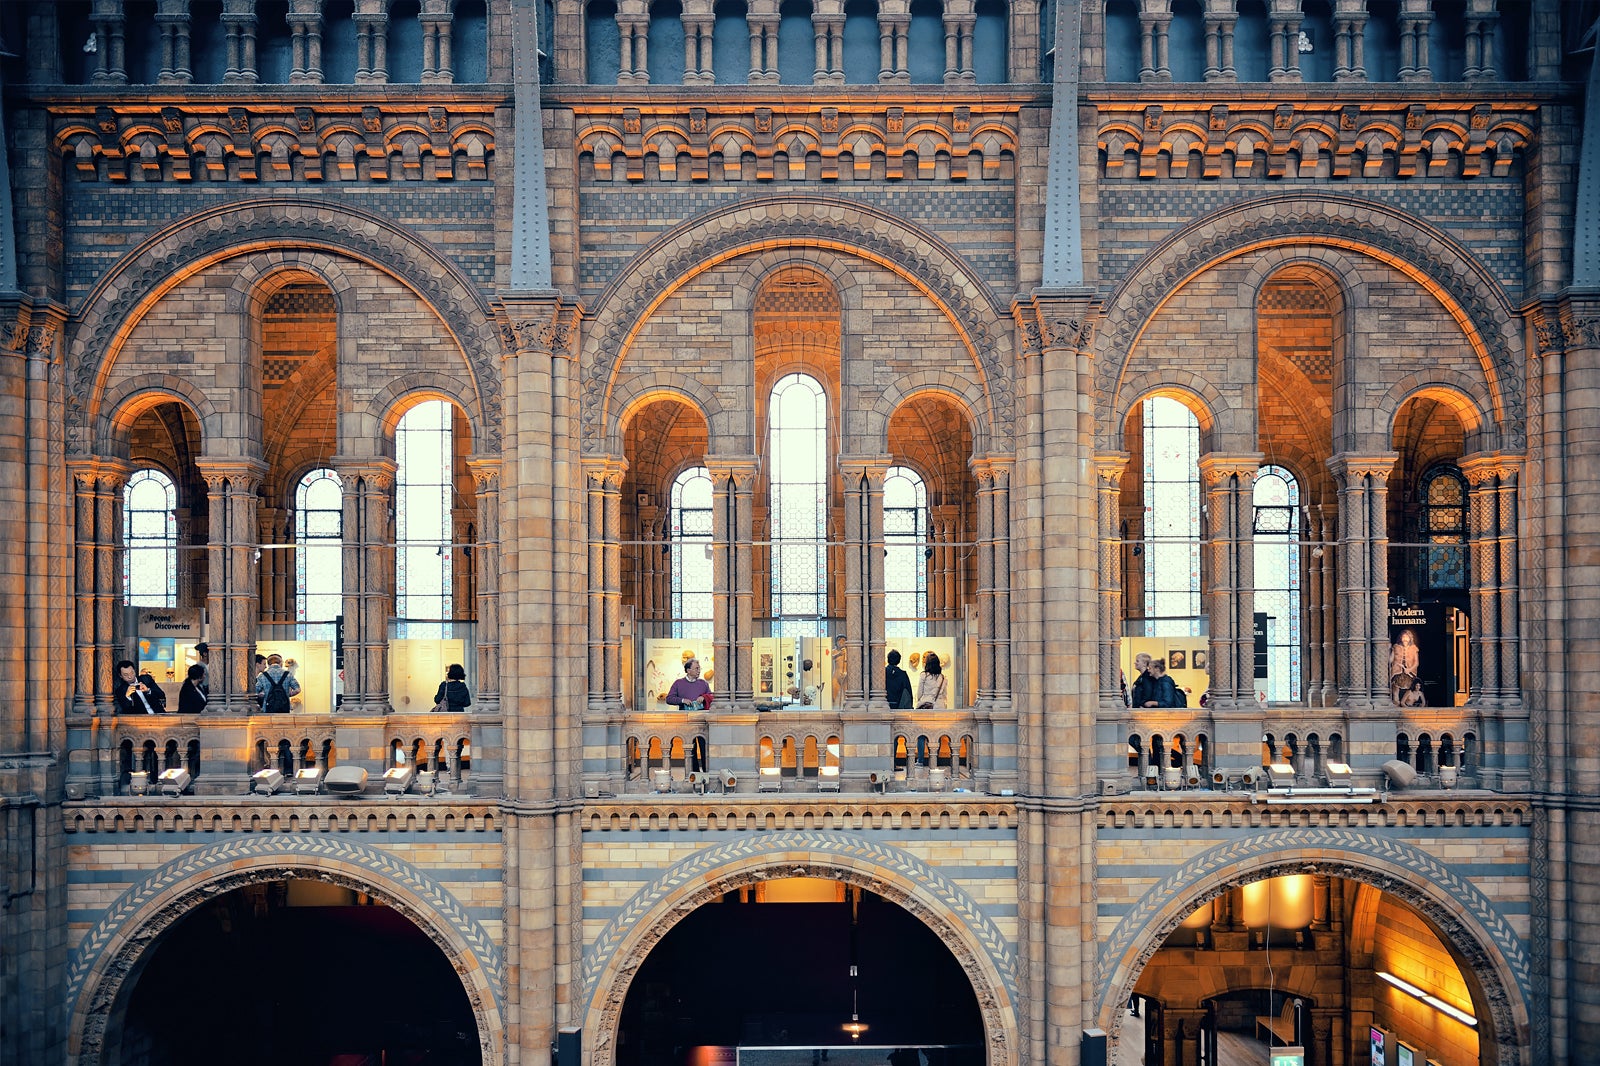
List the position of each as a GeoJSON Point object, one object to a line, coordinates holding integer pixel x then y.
{"type": "Point", "coordinates": [605, 472]}
{"type": "Point", "coordinates": [1348, 468]}
{"type": "Point", "coordinates": [1048, 321]}
{"type": "Point", "coordinates": [1109, 468]}
{"type": "Point", "coordinates": [378, 472]}
{"type": "Point", "coordinates": [994, 470]}
{"type": "Point", "coordinates": [485, 473]}
{"type": "Point", "coordinates": [99, 473]}
{"type": "Point", "coordinates": [544, 323]}
{"type": "Point", "coordinates": [1485, 468]}
{"type": "Point", "coordinates": [742, 470]}
{"type": "Point", "coordinates": [872, 467]}
{"type": "Point", "coordinates": [1549, 335]}
{"type": "Point", "coordinates": [1216, 468]}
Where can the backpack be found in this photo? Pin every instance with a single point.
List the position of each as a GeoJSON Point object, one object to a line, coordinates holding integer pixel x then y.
{"type": "Point", "coordinates": [277, 701]}
{"type": "Point", "coordinates": [1179, 697]}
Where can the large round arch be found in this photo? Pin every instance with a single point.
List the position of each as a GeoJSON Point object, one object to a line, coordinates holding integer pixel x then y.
{"type": "Point", "coordinates": [1492, 956]}
{"type": "Point", "coordinates": [611, 962]}
{"type": "Point", "coordinates": [107, 961]}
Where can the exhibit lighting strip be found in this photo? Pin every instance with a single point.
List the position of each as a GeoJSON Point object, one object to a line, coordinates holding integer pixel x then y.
{"type": "Point", "coordinates": [1430, 999]}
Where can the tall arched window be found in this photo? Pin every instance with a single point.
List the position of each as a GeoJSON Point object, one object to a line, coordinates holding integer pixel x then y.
{"type": "Point", "coordinates": [318, 555]}
{"type": "Point", "coordinates": [1171, 519]}
{"type": "Point", "coordinates": [1444, 528]}
{"type": "Point", "coordinates": [1277, 569]}
{"type": "Point", "coordinates": [691, 554]}
{"type": "Point", "coordinates": [424, 492]}
{"type": "Point", "coordinates": [797, 455]}
{"type": "Point", "coordinates": [150, 540]}
{"type": "Point", "coordinates": [905, 565]}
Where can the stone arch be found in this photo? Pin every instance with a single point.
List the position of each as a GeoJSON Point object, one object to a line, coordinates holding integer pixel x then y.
{"type": "Point", "coordinates": [260, 278]}
{"type": "Point", "coordinates": [285, 225]}
{"type": "Point", "coordinates": [1196, 393]}
{"type": "Point", "coordinates": [110, 956]}
{"type": "Point", "coordinates": [636, 393]}
{"type": "Point", "coordinates": [963, 395]}
{"type": "Point", "coordinates": [132, 398]}
{"type": "Point", "coordinates": [1451, 388]}
{"type": "Point", "coordinates": [403, 393]}
{"type": "Point", "coordinates": [1493, 956]}
{"type": "Point", "coordinates": [616, 954]}
{"type": "Point", "coordinates": [1463, 285]}
{"type": "Point", "coordinates": [805, 226]}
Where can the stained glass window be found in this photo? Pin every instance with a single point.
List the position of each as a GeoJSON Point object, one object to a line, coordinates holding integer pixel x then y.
{"type": "Point", "coordinates": [905, 564]}
{"type": "Point", "coordinates": [318, 555]}
{"type": "Point", "coordinates": [1277, 570]}
{"type": "Point", "coordinates": [1444, 527]}
{"type": "Point", "coordinates": [424, 492]}
{"type": "Point", "coordinates": [150, 540]}
{"type": "Point", "coordinates": [1171, 519]}
{"type": "Point", "coordinates": [691, 554]}
{"type": "Point", "coordinates": [797, 457]}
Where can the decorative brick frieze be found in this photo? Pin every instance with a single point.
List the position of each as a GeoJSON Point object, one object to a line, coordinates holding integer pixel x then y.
{"type": "Point", "coordinates": [912, 140]}
{"type": "Point", "coordinates": [277, 142]}
{"type": "Point", "coordinates": [1314, 139]}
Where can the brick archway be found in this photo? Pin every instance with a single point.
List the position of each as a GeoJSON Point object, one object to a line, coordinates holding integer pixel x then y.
{"type": "Point", "coordinates": [108, 960]}
{"type": "Point", "coordinates": [1493, 957]}
{"type": "Point", "coordinates": [984, 954]}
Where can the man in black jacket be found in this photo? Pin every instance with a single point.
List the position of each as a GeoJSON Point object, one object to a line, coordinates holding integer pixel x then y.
{"type": "Point", "coordinates": [1143, 693]}
{"type": "Point", "coordinates": [896, 684]}
{"type": "Point", "coordinates": [137, 693]}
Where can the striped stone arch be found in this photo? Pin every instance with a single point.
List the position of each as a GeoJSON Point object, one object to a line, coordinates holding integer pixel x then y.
{"type": "Point", "coordinates": [1485, 943]}
{"type": "Point", "coordinates": [106, 961]}
{"type": "Point", "coordinates": [283, 224]}
{"type": "Point", "coordinates": [1430, 257]}
{"type": "Point", "coordinates": [798, 222]}
{"type": "Point", "coordinates": [985, 955]}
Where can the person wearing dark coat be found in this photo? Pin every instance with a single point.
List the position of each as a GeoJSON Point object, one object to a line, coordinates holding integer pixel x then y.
{"type": "Point", "coordinates": [192, 696]}
{"type": "Point", "coordinates": [453, 690]}
{"type": "Point", "coordinates": [137, 693]}
{"type": "Point", "coordinates": [897, 684]}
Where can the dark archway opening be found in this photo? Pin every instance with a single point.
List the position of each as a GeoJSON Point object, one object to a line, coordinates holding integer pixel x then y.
{"type": "Point", "coordinates": [296, 971]}
{"type": "Point", "coordinates": [770, 966]}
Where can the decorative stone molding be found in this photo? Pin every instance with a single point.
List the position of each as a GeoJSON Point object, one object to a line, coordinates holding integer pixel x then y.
{"type": "Point", "coordinates": [281, 814]}
{"type": "Point", "coordinates": [1206, 810]}
{"type": "Point", "coordinates": [277, 142]}
{"type": "Point", "coordinates": [110, 953]}
{"type": "Point", "coordinates": [1428, 256]}
{"type": "Point", "coordinates": [1442, 139]}
{"type": "Point", "coordinates": [909, 138]}
{"type": "Point", "coordinates": [800, 222]}
{"type": "Point", "coordinates": [613, 958]}
{"type": "Point", "coordinates": [1487, 943]}
{"type": "Point", "coordinates": [286, 223]}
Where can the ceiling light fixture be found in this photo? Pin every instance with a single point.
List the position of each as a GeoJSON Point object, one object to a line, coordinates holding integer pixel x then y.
{"type": "Point", "coordinates": [1430, 999]}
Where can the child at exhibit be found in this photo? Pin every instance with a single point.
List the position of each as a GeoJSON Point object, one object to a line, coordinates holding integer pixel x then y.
{"type": "Point", "coordinates": [453, 694]}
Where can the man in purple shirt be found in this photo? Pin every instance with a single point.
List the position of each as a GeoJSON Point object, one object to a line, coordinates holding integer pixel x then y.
{"type": "Point", "coordinates": [689, 692]}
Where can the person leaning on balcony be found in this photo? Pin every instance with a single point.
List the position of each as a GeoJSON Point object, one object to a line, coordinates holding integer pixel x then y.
{"type": "Point", "coordinates": [689, 691]}
{"type": "Point", "coordinates": [192, 696]}
{"type": "Point", "coordinates": [136, 693]}
{"type": "Point", "coordinates": [453, 694]}
{"type": "Point", "coordinates": [935, 685]}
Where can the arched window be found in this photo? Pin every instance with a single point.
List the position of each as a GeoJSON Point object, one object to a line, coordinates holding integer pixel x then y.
{"type": "Point", "coordinates": [318, 555]}
{"type": "Point", "coordinates": [1444, 528]}
{"type": "Point", "coordinates": [905, 564]}
{"type": "Point", "coordinates": [691, 554]}
{"type": "Point", "coordinates": [1277, 569]}
{"type": "Point", "coordinates": [150, 537]}
{"type": "Point", "coordinates": [1171, 519]}
{"type": "Point", "coordinates": [424, 491]}
{"type": "Point", "coordinates": [797, 456]}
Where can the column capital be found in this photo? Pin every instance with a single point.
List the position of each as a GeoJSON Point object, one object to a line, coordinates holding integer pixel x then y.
{"type": "Point", "coordinates": [873, 467]}
{"type": "Point", "coordinates": [1109, 467]}
{"type": "Point", "coordinates": [992, 468]}
{"type": "Point", "coordinates": [243, 474]}
{"type": "Point", "coordinates": [604, 471]}
{"type": "Point", "coordinates": [1578, 315]}
{"type": "Point", "coordinates": [1056, 318]}
{"type": "Point", "coordinates": [741, 469]}
{"type": "Point", "coordinates": [1480, 468]}
{"type": "Point", "coordinates": [379, 470]}
{"type": "Point", "coordinates": [539, 322]}
{"type": "Point", "coordinates": [485, 471]}
{"type": "Point", "coordinates": [1216, 467]}
{"type": "Point", "coordinates": [1352, 466]}
{"type": "Point", "coordinates": [86, 470]}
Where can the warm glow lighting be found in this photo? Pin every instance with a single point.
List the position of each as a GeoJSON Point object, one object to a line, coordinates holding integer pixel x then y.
{"type": "Point", "coordinates": [1430, 999]}
{"type": "Point", "coordinates": [855, 1027]}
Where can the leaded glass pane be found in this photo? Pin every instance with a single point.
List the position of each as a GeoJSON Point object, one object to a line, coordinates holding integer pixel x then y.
{"type": "Point", "coordinates": [1444, 526]}
{"type": "Point", "coordinates": [424, 494]}
{"type": "Point", "coordinates": [692, 566]}
{"type": "Point", "coordinates": [150, 540]}
{"type": "Point", "coordinates": [905, 532]}
{"type": "Point", "coordinates": [797, 456]}
{"type": "Point", "coordinates": [1171, 518]}
{"type": "Point", "coordinates": [1277, 578]}
{"type": "Point", "coordinates": [319, 553]}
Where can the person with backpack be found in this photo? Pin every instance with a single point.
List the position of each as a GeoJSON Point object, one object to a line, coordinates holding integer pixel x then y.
{"type": "Point", "coordinates": [276, 687]}
{"type": "Point", "coordinates": [1166, 690]}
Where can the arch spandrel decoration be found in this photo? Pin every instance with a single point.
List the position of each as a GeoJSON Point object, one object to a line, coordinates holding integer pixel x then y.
{"type": "Point", "coordinates": [200, 240]}
{"type": "Point", "coordinates": [1469, 920]}
{"type": "Point", "coordinates": [1427, 255]}
{"type": "Point", "coordinates": [986, 956]}
{"type": "Point", "coordinates": [799, 222]}
{"type": "Point", "coordinates": [111, 953]}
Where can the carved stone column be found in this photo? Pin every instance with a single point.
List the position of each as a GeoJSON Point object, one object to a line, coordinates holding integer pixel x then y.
{"type": "Point", "coordinates": [1320, 597]}
{"type": "Point", "coordinates": [733, 480]}
{"type": "Point", "coordinates": [372, 42]}
{"type": "Point", "coordinates": [863, 477]}
{"type": "Point", "coordinates": [1415, 18]}
{"type": "Point", "coordinates": [1480, 60]}
{"type": "Point", "coordinates": [1349, 40]}
{"type": "Point", "coordinates": [893, 31]}
{"type": "Point", "coordinates": [1109, 469]}
{"type": "Point", "coordinates": [305, 29]}
{"type": "Point", "coordinates": [98, 485]}
{"type": "Point", "coordinates": [1363, 582]}
{"type": "Point", "coordinates": [436, 28]}
{"type": "Point", "coordinates": [369, 566]}
{"type": "Point", "coordinates": [1155, 19]}
{"type": "Point", "coordinates": [993, 475]}
{"type": "Point", "coordinates": [485, 471]}
{"type": "Point", "coordinates": [1220, 20]}
{"type": "Point", "coordinates": [958, 48]}
{"type": "Point", "coordinates": [828, 34]}
{"type": "Point", "coordinates": [1494, 586]}
{"type": "Point", "coordinates": [603, 478]}
{"type": "Point", "coordinates": [109, 22]}
{"type": "Point", "coordinates": [233, 604]}
{"type": "Point", "coordinates": [699, 41]}
{"type": "Point", "coordinates": [239, 23]}
{"type": "Point", "coordinates": [1284, 22]}
{"type": "Point", "coordinates": [277, 592]}
{"type": "Point", "coordinates": [763, 46]}
{"type": "Point", "coordinates": [172, 20]}
{"type": "Point", "coordinates": [1229, 485]}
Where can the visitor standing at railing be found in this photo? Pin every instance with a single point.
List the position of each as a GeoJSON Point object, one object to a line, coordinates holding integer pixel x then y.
{"type": "Point", "coordinates": [896, 684]}
{"type": "Point", "coordinates": [689, 692]}
{"type": "Point", "coordinates": [192, 696]}
{"type": "Point", "coordinates": [934, 686]}
{"type": "Point", "coordinates": [453, 694]}
{"type": "Point", "coordinates": [137, 693]}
